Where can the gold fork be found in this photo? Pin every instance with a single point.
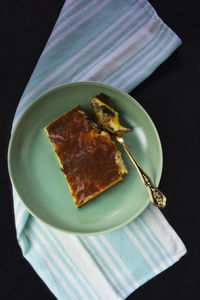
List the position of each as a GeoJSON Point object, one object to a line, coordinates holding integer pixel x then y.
{"type": "Point", "coordinates": [106, 117]}
{"type": "Point", "coordinates": [156, 196]}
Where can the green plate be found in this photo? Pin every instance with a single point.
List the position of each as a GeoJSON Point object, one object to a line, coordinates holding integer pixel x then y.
{"type": "Point", "coordinates": [39, 182]}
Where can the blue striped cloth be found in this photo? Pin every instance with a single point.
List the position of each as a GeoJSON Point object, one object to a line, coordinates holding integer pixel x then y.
{"type": "Point", "coordinates": [119, 43]}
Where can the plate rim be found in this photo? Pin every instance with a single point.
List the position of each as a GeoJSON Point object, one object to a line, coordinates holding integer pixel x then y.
{"type": "Point", "coordinates": [29, 107]}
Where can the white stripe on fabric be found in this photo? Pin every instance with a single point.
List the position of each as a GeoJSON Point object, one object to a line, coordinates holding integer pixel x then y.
{"type": "Point", "coordinates": [68, 7]}
{"type": "Point", "coordinates": [105, 270]}
{"type": "Point", "coordinates": [114, 267]}
{"type": "Point", "coordinates": [35, 227]}
{"type": "Point", "coordinates": [149, 246]}
{"type": "Point", "coordinates": [135, 63]}
{"type": "Point", "coordinates": [136, 55]}
{"type": "Point", "coordinates": [105, 42]}
{"type": "Point", "coordinates": [74, 27]}
{"type": "Point", "coordinates": [16, 201]}
{"type": "Point", "coordinates": [66, 4]}
{"type": "Point", "coordinates": [142, 251]}
{"type": "Point", "coordinates": [149, 64]}
{"type": "Point", "coordinates": [109, 40]}
{"type": "Point", "coordinates": [118, 260]}
{"type": "Point", "coordinates": [160, 225]}
{"type": "Point", "coordinates": [155, 239]}
{"type": "Point", "coordinates": [71, 260]}
{"type": "Point", "coordinates": [75, 57]}
{"type": "Point", "coordinates": [17, 206]}
{"type": "Point", "coordinates": [100, 69]}
{"type": "Point", "coordinates": [148, 8]}
{"type": "Point", "coordinates": [85, 263]}
{"type": "Point", "coordinates": [71, 18]}
{"type": "Point", "coordinates": [50, 265]}
{"type": "Point", "coordinates": [123, 49]}
{"type": "Point", "coordinates": [20, 216]}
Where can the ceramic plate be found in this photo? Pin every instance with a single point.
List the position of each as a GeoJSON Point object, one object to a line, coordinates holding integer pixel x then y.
{"type": "Point", "coordinates": [39, 182]}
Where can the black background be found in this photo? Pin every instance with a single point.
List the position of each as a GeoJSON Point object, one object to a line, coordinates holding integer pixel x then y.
{"type": "Point", "coordinates": [171, 97]}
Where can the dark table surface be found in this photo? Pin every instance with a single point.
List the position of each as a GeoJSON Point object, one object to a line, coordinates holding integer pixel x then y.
{"type": "Point", "coordinates": [170, 95]}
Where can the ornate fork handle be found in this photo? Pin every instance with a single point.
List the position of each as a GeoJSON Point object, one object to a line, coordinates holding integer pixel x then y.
{"type": "Point", "coordinates": [156, 196]}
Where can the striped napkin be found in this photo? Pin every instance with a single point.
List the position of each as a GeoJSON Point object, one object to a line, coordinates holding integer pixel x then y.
{"type": "Point", "coordinates": [119, 43]}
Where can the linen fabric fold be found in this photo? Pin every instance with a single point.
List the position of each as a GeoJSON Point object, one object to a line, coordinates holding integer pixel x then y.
{"type": "Point", "coordinates": [119, 43]}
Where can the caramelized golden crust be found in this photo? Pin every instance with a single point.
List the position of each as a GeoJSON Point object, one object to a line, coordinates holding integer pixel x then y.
{"type": "Point", "coordinates": [88, 159]}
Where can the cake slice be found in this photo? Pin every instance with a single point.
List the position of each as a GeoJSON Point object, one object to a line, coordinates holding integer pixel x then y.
{"type": "Point", "coordinates": [107, 117]}
{"type": "Point", "coordinates": [88, 157]}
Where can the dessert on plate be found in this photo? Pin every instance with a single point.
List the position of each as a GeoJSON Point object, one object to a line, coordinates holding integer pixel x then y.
{"type": "Point", "coordinates": [89, 159]}
{"type": "Point", "coordinates": [107, 117]}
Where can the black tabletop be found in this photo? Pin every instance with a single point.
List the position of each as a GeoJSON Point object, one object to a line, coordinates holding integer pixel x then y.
{"type": "Point", "coordinates": [170, 96]}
